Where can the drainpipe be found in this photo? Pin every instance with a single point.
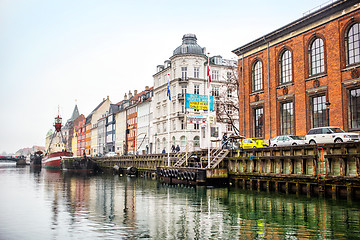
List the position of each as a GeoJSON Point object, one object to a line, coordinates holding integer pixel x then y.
{"type": "Point", "coordinates": [243, 93]}
{"type": "Point", "coordinates": [268, 68]}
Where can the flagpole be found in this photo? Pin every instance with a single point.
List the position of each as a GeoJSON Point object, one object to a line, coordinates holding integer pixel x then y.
{"type": "Point", "coordinates": [169, 97]}
{"type": "Point", "coordinates": [186, 139]}
{"type": "Point", "coordinates": [208, 87]}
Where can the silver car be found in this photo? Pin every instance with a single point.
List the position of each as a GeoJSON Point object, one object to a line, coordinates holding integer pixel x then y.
{"type": "Point", "coordinates": [286, 140]}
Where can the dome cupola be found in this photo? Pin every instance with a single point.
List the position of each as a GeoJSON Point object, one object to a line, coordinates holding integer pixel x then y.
{"type": "Point", "coordinates": [189, 46]}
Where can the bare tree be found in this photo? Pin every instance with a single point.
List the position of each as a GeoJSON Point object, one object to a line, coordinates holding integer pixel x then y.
{"type": "Point", "coordinates": [227, 99]}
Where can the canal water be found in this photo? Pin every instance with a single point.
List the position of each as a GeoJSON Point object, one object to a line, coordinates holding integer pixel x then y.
{"type": "Point", "coordinates": [61, 205]}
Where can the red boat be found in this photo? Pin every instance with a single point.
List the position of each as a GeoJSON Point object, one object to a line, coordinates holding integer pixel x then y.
{"type": "Point", "coordinates": [53, 160]}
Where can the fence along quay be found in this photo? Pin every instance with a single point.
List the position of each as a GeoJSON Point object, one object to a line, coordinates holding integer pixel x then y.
{"type": "Point", "coordinates": [330, 169]}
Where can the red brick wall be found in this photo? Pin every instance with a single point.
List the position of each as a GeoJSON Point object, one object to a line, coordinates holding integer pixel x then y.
{"type": "Point", "coordinates": [303, 86]}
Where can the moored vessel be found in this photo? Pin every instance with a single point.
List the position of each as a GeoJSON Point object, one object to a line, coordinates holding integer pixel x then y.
{"type": "Point", "coordinates": [35, 159]}
{"type": "Point", "coordinates": [52, 159]}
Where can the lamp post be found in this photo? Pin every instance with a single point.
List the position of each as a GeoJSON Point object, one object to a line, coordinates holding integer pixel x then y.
{"type": "Point", "coordinates": [155, 142]}
{"type": "Point", "coordinates": [126, 138]}
{"type": "Point", "coordinates": [327, 104]}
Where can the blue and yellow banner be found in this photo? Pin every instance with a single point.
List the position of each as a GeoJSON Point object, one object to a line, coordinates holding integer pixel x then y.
{"type": "Point", "coordinates": [196, 101]}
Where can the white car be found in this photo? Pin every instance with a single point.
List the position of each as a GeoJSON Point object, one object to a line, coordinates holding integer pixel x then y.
{"type": "Point", "coordinates": [110, 154]}
{"type": "Point", "coordinates": [329, 135]}
{"type": "Point", "coordinates": [286, 140]}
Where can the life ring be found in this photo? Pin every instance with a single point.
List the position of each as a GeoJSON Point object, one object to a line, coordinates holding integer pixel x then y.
{"type": "Point", "coordinates": [192, 176]}
{"type": "Point", "coordinates": [187, 175]}
{"type": "Point", "coordinates": [176, 173]}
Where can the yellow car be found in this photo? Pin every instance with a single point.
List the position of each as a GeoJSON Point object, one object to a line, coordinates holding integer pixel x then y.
{"type": "Point", "coordinates": [252, 143]}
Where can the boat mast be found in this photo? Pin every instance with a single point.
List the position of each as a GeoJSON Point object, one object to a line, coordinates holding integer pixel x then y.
{"type": "Point", "coordinates": [58, 126]}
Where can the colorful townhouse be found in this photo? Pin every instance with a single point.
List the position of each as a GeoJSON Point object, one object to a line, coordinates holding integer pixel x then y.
{"type": "Point", "coordinates": [121, 127]}
{"type": "Point", "coordinates": [144, 142]}
{"type": "Point", "coordinates": [77, 127]}
{"type": "Point", "coordinates": [100, 111]}
{"type": "Point", "coordinates": [81, 133]}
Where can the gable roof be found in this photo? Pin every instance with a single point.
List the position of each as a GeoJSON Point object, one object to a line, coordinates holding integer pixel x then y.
{"type": "Point", "coordinates": [75, 114]}
{"type": "Point", "coordinates": [89, 117]}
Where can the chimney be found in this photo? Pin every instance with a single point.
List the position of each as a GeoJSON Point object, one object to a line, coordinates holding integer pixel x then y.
{"type": "Point", "coordinates": [135, 92]}
{"type": "Point", "coordinates": [130, 94]}
{"type": "Point", "coordinates": [125, 97]}
{"type": "Point", "coordinates": [107, 97]}
{"type": "Point", "coordinates": [146, 87]}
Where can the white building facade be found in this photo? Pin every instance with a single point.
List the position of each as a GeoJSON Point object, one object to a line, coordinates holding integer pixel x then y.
{"type": "Point", "coordinates": [99, 112]}
{"type": "Point", "coordinates": [120, 132]}
{"type": "Point", "coordinates": [144, 127]}
{"type": "Point", "coordinates": [186, 72]}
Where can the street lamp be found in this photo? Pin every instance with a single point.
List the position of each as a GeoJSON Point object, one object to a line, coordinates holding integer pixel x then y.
{"type": "Point", "coordinates": [155, 142]}
{"type": "Point", "coordinates": [327, 104]}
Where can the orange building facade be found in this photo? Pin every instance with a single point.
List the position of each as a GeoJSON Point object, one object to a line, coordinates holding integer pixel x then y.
{"type": "Point", "coordinates": [80, 133]}
{"type": "Point", "coordinates": [88, 137]}
{"type": "Point", "coordinates": [303, 75]}
{"type": "Point", "coordinates": [131, 120]}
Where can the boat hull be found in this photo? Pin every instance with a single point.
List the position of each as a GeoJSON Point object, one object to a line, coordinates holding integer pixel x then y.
{"type": "Point", "coordinates": [82, 164]}
{"type": "Point", "coordinates": [53, 160]}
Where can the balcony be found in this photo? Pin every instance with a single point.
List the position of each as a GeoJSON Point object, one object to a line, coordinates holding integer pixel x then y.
{"type": "Point", "coordinates": [183, 80]}
{"type": "Point", "coordinates": [181, 96]}
{"type": "Point", "coordinates": [180, 114]}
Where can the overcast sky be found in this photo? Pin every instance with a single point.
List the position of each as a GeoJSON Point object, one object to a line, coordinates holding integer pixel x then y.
{"type": "Point", "coordinates": [56, 52]}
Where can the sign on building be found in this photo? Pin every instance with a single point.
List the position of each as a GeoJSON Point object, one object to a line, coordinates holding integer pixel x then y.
{"type": "Point", "coordinates": [196, 101]}
{"type": "Point", "coordinates": [196, 119]}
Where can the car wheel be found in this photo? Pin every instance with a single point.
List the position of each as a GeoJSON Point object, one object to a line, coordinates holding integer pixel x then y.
{"type": "Point", "coordinates": [274, 145]}
{"type": "Point", "coordinates": [338, 140]}
{"type": "Point", "coordinates": [294, 144]}
{"type": "Point", "coordinates": [254, 147]}
{"type": "Point", "coordinates": [312, 142]}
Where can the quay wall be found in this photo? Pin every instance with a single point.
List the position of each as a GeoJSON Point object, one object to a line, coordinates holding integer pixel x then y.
{"type": "Point", "coordinates": [330, 169]}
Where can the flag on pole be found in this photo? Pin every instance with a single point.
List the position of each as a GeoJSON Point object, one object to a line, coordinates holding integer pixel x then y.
{"type": "Point", "coordinates": [168, 89]}
{"type": "Point", "coordinates": [208, 73]}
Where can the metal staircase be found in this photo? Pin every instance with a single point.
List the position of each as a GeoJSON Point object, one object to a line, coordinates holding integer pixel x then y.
{"type": "Point", "coordinates": [219, 155]}
{"type": "Point", "coordinates": [182, 159]}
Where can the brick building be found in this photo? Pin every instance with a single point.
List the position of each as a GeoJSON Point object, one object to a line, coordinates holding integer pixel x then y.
{"type": "Point", "coordinates": [303, 75]}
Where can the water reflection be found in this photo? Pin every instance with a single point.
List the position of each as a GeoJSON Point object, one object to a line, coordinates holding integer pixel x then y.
{"type": "Point", "coordinates": [73, 206]}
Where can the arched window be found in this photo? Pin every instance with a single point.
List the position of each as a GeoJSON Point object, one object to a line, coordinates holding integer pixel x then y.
{"type": "Point", "coordinates": [158, 145]}
{"type": "Point", "coordinates": [182, 142]}
{"type": "Point", "coordinates": [257, 81]}
{"type": "Point", "coordinates": [164, 144]}
{"type": "Point", "coordinates": [285, 67]}
{"type": "Point", "coordinates": [196, 141]}
{"type": "Point", "coordinates": [353, 44]}
{"type": "Point", "coordinates": [317, 63]}
{"type": "Point", "coordinates": [173, 141]}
